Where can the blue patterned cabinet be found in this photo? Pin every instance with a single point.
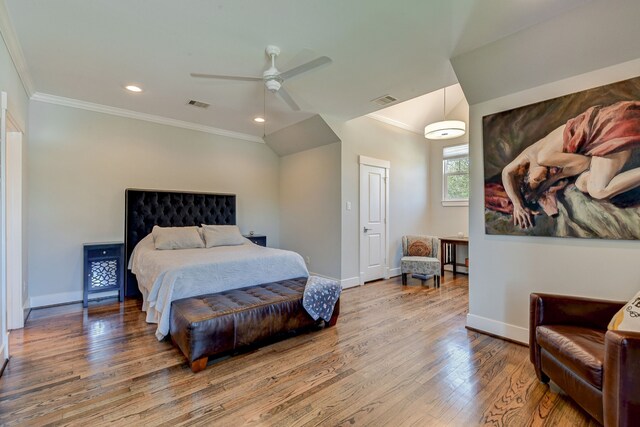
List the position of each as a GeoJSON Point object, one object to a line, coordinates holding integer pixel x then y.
{"type": "Point", "coordinates": [258, 239]}
{"type": "Point", "coordinates": [103, 269]}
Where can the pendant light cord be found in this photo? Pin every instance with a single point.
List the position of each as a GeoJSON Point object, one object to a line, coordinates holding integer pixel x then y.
{"type": "Point", "coordinates": [264, 111]}
{"type": "Point", "coordinates": [444, 103]}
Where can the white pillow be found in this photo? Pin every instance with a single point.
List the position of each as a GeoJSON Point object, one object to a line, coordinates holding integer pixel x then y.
{"type": "Point", "coordinates": [628, 318]}
{"type": "Point", "coordinates": [176, 237]}
{"type": "Point", "coordinates": [222, 235]}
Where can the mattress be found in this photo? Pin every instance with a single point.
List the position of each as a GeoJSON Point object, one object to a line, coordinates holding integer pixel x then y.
{"type": "Point", "coordinates": [167, 275]}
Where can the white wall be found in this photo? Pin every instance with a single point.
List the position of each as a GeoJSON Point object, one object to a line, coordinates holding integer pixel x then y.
{"type": "Point", "coordinates": [506, 269]}
{"type": "Point", "coordinates": [80, 163]}
{"type": "Point", "coordinates": [444, 220]}
{"type": "Point", "coordinates": [10, 82]}
{"type": "Point", "coordinates": [310, 207]}
{"type": "Point", "coordinates": [408, 181]}
{"type": "Point", "coordinates": [447, 220]}
{"type": "Point", "coordinates": [542, 62]}
{"type": "Point", "coordinates": [25, 213]}
{"type": "Point", "coordinates": [598, 34]}
{"type": "Point", "coordinates": [17, 101]}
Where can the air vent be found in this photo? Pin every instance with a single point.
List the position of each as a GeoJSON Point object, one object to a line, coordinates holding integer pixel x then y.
{"type": "Point", "coordinates": [198, 104]}
{"type": "Point", "coordinates": [385, 100]}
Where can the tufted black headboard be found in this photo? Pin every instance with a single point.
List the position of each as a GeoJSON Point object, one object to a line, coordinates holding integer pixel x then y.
{"type": "Point", "coordinates": [146, 208]}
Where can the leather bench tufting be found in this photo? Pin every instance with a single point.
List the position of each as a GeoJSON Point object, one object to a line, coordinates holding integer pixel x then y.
{"type": "Point", "coordinates": [214, 324]}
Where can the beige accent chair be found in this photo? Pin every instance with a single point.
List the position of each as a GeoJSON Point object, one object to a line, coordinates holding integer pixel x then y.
{"type": "Point", "coordinates": [420, 256]}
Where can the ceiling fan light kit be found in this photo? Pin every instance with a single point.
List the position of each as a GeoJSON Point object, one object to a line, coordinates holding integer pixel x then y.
{"type": "Point", "coordinates": [271, 76]}
{"type": "Point", "coordinates": [273, 85]}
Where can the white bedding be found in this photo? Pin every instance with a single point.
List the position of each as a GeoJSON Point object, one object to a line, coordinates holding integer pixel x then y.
{"type": "Point", "coordinates": [167, 275]}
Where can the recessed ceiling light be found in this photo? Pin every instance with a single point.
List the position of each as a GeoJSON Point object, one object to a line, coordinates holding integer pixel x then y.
{"type": "Point", "coordinates": [258, 120]}
{"type": "Point", "coordinates": [133, 88]}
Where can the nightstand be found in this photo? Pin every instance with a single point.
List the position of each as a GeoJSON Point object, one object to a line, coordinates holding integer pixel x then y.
{"type": "Point", "coordinates": [103, 269]}
{"type": "Point", "coordinates": [258, 239]}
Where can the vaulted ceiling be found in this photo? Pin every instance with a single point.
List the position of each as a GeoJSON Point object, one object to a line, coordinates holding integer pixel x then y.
{"type": "Point", "coordinates": [89, 50]}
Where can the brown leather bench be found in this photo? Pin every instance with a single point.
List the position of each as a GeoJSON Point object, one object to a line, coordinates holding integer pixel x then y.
{"type": "Point", "coordinates": [213, 324]}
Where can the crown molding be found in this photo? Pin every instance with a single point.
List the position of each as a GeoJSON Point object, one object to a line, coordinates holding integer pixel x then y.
{"type": "Point", "coordinates": [121, 112]}
{"type": "Point", "coordinates": [15, 51]}
{"type": "Point", "coordinates": [393, 122]}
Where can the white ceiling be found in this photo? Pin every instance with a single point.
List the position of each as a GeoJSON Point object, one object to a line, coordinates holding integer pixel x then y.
{"type": "Point", "coordinates": [413, 115]}
{"type": "Point", "coordinates": [88, 50]}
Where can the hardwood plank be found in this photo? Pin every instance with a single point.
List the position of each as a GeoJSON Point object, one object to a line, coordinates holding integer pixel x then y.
{"type": "Point", "coordinates": [399, 355]}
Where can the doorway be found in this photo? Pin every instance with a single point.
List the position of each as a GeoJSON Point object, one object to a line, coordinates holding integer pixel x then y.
{"type": "Point", "coordinates": [11, 283]}
{"type": "Point", "coordinates": [13, 211]}
{"type": "Point", "coordinates": [374, 213]}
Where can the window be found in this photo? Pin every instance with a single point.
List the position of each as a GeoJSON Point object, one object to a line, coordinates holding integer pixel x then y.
{"type": "Point", "coordinates": [455, 175]}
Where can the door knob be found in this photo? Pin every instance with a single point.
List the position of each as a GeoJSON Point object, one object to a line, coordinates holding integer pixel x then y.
{"type": "Point", "coordinates": [365, 229]}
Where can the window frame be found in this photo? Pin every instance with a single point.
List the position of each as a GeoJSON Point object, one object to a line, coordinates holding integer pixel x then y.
{"type": "Point", "coordinates": [446, 201]}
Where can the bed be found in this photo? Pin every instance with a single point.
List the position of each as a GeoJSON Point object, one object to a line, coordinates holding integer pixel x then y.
{"type": "Point", "coordinates": [162, 276]}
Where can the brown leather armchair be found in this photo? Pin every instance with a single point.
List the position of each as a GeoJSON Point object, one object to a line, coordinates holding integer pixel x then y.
{"type": "Point", "coordinates": [569, 343]}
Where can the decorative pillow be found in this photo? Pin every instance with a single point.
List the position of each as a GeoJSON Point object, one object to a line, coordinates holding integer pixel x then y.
{"type": "Point", "coordinates": [222, 235]}
{"type": "Point", "coordinates": [176, 238]}
{"type": "Point", "coordinates": [417, 246]}
{"type": "Point", "coordinates": [628, 318]}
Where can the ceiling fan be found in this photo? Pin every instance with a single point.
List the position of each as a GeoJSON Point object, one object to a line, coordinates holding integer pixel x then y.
{"type": "Point", "coordinates": [272, 77]}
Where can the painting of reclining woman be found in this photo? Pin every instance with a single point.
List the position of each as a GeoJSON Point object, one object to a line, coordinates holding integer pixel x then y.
{"type": "Point", "coordinates": [566, 167]}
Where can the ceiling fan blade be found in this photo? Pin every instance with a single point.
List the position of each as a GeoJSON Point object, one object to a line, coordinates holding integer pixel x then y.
{"type": "Point", "coordinates": [305, 67]}
{"type": "Point", "coordinates": [288, 99]}
{"type": "Point", "coordinates": [215, 76]}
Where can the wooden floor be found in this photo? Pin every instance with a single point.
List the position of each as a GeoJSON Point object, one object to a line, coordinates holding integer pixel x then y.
{"type": "Point", "coordinates": [398, 356]}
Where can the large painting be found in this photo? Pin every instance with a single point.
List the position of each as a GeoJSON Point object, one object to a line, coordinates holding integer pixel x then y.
{"type": "Point", "coordinates": [566, 167]}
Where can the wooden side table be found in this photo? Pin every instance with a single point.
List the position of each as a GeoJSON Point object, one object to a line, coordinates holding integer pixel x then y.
{"type": "Point", "coordinates": [448, 251]}
{"type": "Point", "coordinates": [258, 239]}
{"type": "Point", "coordinates": [103, 269]}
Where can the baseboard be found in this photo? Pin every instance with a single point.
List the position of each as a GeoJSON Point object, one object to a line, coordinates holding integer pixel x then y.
{"type": "Point", "coordinates": [4, 350]}
{"type": "Point", "coordinates": [4, 364]}
{"type": "Point", "coordinates": [350, 282]}
{"type": "Point", "coordinates": [311, 273]}
{"type": "Point", "coordinates": [459, 269]}
{"type": "Point", "coordinates": [26, 310]}
{"type": "Point", "coordinates": [65, 298]}
{"type": "Point", "coordinates": [500, 329]}
{"type": "Point", "coordinates": [393, 272]}
{"type": "Point", "coordinates": [345, 283]}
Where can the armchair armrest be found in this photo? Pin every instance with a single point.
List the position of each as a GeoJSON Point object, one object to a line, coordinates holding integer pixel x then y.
{"type": "Point", "coordinates": [548, 309]}
{"type": "Point", "coordinates": [621, 383]}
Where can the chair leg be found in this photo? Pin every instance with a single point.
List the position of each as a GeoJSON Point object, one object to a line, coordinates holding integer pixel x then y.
{"type": "Point", "coordinates": [332, 322]}
{"type": "Point", "coordinates": [198, 365]}
{"type": "Point", "coordinates": [404, 279]}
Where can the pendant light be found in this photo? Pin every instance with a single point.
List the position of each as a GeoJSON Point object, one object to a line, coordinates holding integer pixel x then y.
{"type": "Point", "coordinates": [445, 129]}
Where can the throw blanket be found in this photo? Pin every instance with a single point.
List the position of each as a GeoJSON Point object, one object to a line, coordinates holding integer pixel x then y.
{"type": "Point", "coordinates": [320, 296]}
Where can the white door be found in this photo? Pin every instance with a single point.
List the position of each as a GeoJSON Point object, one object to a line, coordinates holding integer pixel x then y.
{"type": "Point", "coordinates": [373, 220]}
